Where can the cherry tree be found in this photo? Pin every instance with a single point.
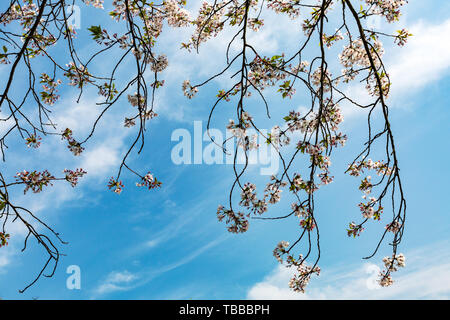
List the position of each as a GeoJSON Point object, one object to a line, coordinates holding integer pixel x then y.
{"type": "Point", "coordinates": [31, 31]}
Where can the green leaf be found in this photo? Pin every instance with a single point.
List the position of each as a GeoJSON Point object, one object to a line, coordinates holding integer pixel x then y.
{"type": "Point", "coordinates": [96, 31]}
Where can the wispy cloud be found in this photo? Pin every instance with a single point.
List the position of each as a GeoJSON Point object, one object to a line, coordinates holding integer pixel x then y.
{"type": "Point", "coordinates": [189, 257]}
{"type": "Point", "coordinates": [116, 281]}
{"type": "Point", "coordinates": [125, 281]}
{"type": "Point", "coordinates": [426, 276]}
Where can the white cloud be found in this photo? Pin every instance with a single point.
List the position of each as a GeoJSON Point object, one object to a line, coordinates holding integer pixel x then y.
{"type": "Point", "coordinates": [99, 160]}
{"type": "Point", "coordinates": [116, 281]}
{"type": "Point", "coordinates": [104, 151]}
{"type": "Point", "coordinates": [425, 58]}
{"type": "Point", "coordinates": [426, 276]}
{"type": "Point", "coordinates": [77, 116]}
{"type": "Point", "coordinates": [5, 258]}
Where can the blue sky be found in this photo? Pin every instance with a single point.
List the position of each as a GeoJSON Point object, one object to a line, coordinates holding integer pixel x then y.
{"type": "Point", "coordinates": [168, 244]}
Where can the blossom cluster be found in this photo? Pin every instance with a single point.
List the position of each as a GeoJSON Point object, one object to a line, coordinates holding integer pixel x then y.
{"type": "Point", "coordinates": [390, 9]}
{"type": "Point", "coordinates": [78, 76]}
{"type": "Point", "coordinates": [107, 90]}
{"type": "Point", "coordinates": [297, 123]}
{"type": "Point", "coordinates": [149, 114]}
{"type": "Point", "coordinates": [115, 185]}
{"type": "Point", "coordinates": [330, 40]}
{"type": "Point", "coordinates": [394, 262]}
{"type": "Point", "coordinates": [368, 211]}
{"type": "Point", "coordinates": [95, 3]}
{"type": "Point", "coordinates": [176, 16]}
{"type": "Point", "coordinates": [322, 79]}
{"type": "Point", "coordinates": [308, 223]}
{"type": "Point", "coordinates": [39, 44]}
{"type": "Point", "coordinates": [355, 54]}
{"type": "Point", "coordinates": [301, 279]}
{"type": "Point", "coordinates": [137, 100]}
{"type": "Point", "coordinates": [72, 176]}
{"type": "Point", "coordinates": [119, 11]}
{"type": "Point", "coordinates": [152, 15]}
{"type": "Point", "coordinates": [188, 90]}
{"type": "Point", "coordinates": [285, 6]}
{"type": "Point", "coordinates": [299, 210]}
{"type": "Point", "coordinates": [34, 180]}
{"type": "Point", "coordinates": [391, 264]}
{"type": "Point", "coordinates": [380, 167]}
{"type": "Point", "coordinates": [280, 250]}
{"type": "Point", "coordinates": [277, 137]}
{"type": "Point", "coordinates": [25, 12]}
{"type": "Point", "coordinates": [49, 95]}
{"type": "Point", "coordinates": [266, 72]}
{"type": "Point", "coordinates": [394, 226]}
{"type": "Point", "coordinates": [160, 63]}
{"type": "Point", "coordinates": [402, 37]}
{"type": "Point", "coordinates": [73, 145]}
{"type": "Point", "coordinates": [33, 141]}
{"type": "Point", "coordinates": [272, 195]}
{"type": "Point", "coordinates": [332, 116]}
{"type": "Point", "coordinates": [237, 222]}
{"type": "Point", "coordinates": [149, 181]}
{"type": "Point", "coordinates": [299, 184]}
{"type": "Point", "coordinates": [239, 131]}
{"type": "Point", "coordinates": [273, 190]}
{"type": "Point", "coordinates": [250, 201]}
{"type": "Point", "coordinates": [4, 237]}
{"type": "Point", "coordinates": [255, 23]}
{"type": "Point", "coordinates": [354, 230]}
{"type": "Point", "coordinates": [208, 24]}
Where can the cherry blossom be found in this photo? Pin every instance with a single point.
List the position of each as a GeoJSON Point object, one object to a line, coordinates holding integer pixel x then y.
{"type": "Point", "coordinates": [188, 90]}
{"type": "Point", "coordinates": [73, 145]}
{"type": "Point", "coordinates": [33, 141]}
{"type": "Point", "coordinates": [149, 181]}
{"type": "Point", "coordinates": [72, 176]}
{"type": "Point", "coordinates": [4, 237]}
{"type": "Point", "coordinates": [35, 180]}
{"type": "Point", "coordinates": [116, 186]}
